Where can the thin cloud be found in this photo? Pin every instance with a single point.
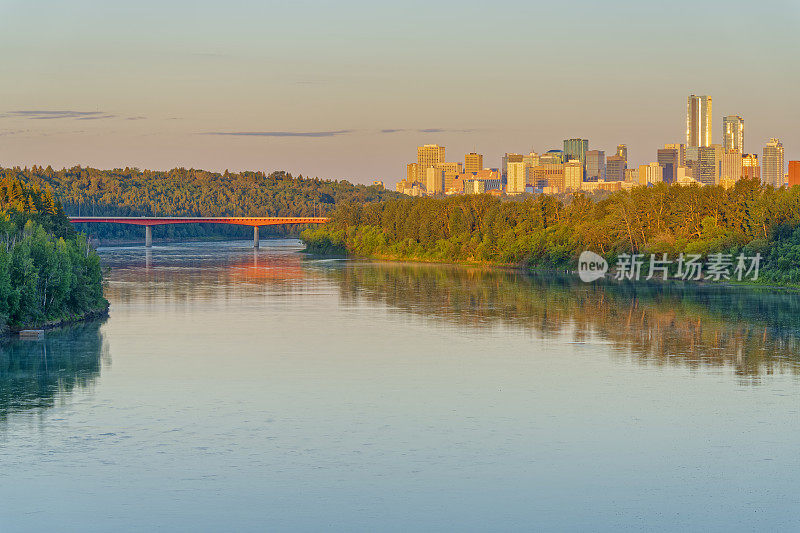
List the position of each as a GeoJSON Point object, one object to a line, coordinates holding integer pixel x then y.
{"type": "Point", "coordinates": [136, 118]}
{"type": "Point", "coordinates": [279, 133]}
{"type": "Point", "coordinates": [392, 130]}
{"type": "Point", "coordinates": [40, 114]}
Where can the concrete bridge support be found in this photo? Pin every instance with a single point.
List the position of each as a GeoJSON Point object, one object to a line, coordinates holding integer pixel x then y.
{"type": "Point", "coordinates": [255, 237]}
{"type": "Point", "coordinates": [148, 236]}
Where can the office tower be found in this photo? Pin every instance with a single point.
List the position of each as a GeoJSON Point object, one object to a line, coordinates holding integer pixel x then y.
{"type": "Point", "coordinates": [731, 169]}
{"type": "Point", "coordinates": [434, 180]}
{"type": "Point", "coordinates": [532, 159]}
{"type": "Point", "coordinates": [681, 148]}
{"type": "Point", "coordinates": [576, 149]}
{"type": "Point", "coordinates": [622, 151]}
{"type": "Point", "coordinates": [709, 162]}
{"type": "Point", "coordinates": [651, 174]}
{"type": "Point", "coordinates": [668, 158]}
{"type": "Point", "coordinates": [428, 155]}
{"type": "Point", "coordinates": [451, 171]}
{"type": "Point", "coordinates": [698, 121]}
{"type": "Point", "coordinates": [549, 175]}
{"type": "Point", "coordinates": [615, 168]}
{"type": "Point", "coordinates": [573, 175]}
{"type": "Point", "coordinates": [509, 157]}
{"type": "Point", "coordinates": [595, 165]}
{"type": "Point", "coordinates": [552, 157]}
{"type": "Point", "coordinates": [517, 177]}
{"type": "Point", "coordinates": [733, 133]}
{"type": "Point", "coordinates": [794, 173]}
{"type": "Point", "coordinates": [473, 163]}
{"type": "Point", "coordinates": [772, 163]}
{"type": "Point", "coordinates": [750, 167]}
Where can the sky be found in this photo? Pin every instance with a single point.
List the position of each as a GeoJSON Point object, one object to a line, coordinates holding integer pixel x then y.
{"type": "Point", "coordinates": [349, 89]}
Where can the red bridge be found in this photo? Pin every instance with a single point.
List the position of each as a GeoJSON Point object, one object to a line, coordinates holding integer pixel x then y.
{"type": "Point", "coordinates": [149, 222]}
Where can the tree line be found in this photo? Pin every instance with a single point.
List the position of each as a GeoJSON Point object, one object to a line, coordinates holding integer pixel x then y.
{"type": "Point", "coordinates": [190, 192]}
{"type": "Point", "coordinates": [48, 272]}
{"type": "Point", "coordinates": [551, 231]}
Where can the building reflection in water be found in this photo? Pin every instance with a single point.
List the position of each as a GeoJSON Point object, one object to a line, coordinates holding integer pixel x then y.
{"type": "Point", "coordinates": [752, 330]}
{"type": "Point", "coordinates": [40, 374]}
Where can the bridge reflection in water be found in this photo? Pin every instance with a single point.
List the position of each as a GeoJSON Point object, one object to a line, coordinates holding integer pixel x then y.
{"type": "Point", "coordinates": [149, 222]}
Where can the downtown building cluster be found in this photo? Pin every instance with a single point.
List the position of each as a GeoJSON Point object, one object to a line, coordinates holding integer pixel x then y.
{"type": "Point", "coordinates": [573, 167]}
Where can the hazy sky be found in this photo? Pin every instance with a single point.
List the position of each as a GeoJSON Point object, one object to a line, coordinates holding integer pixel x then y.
{"type": "Point", "coordinates": [348, 89]}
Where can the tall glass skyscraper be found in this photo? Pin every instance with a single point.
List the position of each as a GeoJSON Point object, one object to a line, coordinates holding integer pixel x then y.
{"type": "Point", "coordinates": [733, 133]}
{"type": "Point", "coordinates": [576, 149]}
{"type": "Point", "coordinates": [772, 164]}
{"type": "Point", "coordinates": [698, 121]}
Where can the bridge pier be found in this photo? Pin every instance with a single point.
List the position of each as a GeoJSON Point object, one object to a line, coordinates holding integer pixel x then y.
{"type": "Point", "coordinates": [148, 236]}
{"type": "Point", "coordinates": [255, 237]}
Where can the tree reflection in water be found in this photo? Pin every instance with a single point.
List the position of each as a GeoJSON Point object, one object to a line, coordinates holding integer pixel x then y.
{"type": "Point", "coordinates": [755, 331]}
{"type": "Point", "coordinates": [38, 374]}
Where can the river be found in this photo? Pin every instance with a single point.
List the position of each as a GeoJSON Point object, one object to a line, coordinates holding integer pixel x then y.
{"type": "Point", "coordinates": [241, 390]}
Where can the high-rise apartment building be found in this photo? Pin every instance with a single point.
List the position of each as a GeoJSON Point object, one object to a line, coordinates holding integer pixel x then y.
{"type": "Point", "coordinates": [595, 165]}
{"type": "Point", "coordinates": [733, 133]}
{"type": "Point", "coordinates": [772, 163]}
{"type": "Point", "coordinates": [428, 155]}
{"type": "Point", "coordinates": [651, 174]}
{"type": "Point", "coordinates": [473, 163]}
{"type": "Point", "coordinates": [622, 151]}
{"type": "Point", "coordinates": [668, 158]}
{"type": "Point", "coordinates": [698, 121]}
{"type": "Point", "coordinates": [794, 173]}
{"type": "Point", "coordinates": [750, 167]}
{"type": "Point", "coordinates": [517, 177]}
{"type": "Point", "coordinates": [576, 149]}
{"type": "Point", "coordinates": [573, 175]}
{"type": "Point", "coordinates": [615, 168]}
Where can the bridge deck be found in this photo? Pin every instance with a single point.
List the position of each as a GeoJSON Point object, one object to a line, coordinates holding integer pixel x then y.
{"type": "Point", "coordinates": [242, 221]}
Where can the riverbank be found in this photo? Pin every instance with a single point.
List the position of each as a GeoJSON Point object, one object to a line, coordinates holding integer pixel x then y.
{"type": "Point", "coordinates": [94, 314]}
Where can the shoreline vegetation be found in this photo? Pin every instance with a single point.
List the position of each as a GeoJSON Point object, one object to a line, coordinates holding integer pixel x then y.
{"type": "Point", "coordinates": [543, 232]}
{"type": "Point", "coordinates": [191, 192]}
{"type": "Point", "coordinates": [49, 274]}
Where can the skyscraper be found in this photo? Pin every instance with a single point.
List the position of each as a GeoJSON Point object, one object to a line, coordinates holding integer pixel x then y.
{"type": "Point", "coordinates": [576, 149]}
{"type": "Point", "coordinates": [772, 164]}
{"type": "Point", "coordinates": [509, 157]}
{"type": "Point", "coordinates": [622, 151]}
{"type": "Point", "coordinates": [473, 163]}
{"type": "Point", "coordinates": [428, 155]}
{"type": "Point", "coordinates": [517, 177]}
{"type": "Point", "coordinates": [709, 164]}
{"type": "Point", "coordinates": [698, 121]}
{"type": "Point", "coordinates": [615, 168]}
{"type": "Point", "coordinates": [733, 133]}
{"type": "Point", "coordinates": [681, 148]}
{"type": "Point", "coordinates": [573, 175]}
{"type": "Point", "coordinates": [668, 158]}
{"type": "Point", "coordinates": [595, 165]}
{"type": "Point", "coordinates": [651, 174]}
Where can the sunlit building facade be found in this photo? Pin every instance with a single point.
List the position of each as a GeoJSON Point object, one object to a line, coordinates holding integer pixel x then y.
{"type": "Point", "coordinates": [473, 163]}
{"type": "Point", "coordinates": [772, 164]}
{"type": "Point", "coordinates": [698, 121]}
{"type": "Point", "coordinates": [733, 133]}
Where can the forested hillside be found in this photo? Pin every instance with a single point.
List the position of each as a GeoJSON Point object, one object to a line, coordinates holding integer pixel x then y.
{"type": "Point", "coordinates": [189, 192]}
{"type": "Point", "coordinates": [545, 231]}
{"type": "Point", "coordinates": [48, 273]}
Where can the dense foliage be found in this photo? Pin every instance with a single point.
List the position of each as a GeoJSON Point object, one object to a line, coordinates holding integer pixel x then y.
{"type": "Point", "coordinates": [48, 273]}
{"type": "Point", "coordinates": [190, 192]}
{"type": "Point", "coordinates": [548, 231]}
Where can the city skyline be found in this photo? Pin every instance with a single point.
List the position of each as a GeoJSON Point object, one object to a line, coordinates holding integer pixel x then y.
{"type": "Point", "coordinates": [233, 88]}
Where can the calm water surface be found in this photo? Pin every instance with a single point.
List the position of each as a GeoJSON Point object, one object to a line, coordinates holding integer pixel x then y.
{"type": "Point", "coordinates": [233, 390]}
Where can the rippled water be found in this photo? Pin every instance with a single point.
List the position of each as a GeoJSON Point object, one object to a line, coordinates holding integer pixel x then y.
{"type": "Point", "coordinates": [233, 390]}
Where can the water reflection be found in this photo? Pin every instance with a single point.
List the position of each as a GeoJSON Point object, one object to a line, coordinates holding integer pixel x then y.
{"type": "Point", "coordinates": [754, 331]}
{"type": "Point", "coordinates": [38, 374]}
